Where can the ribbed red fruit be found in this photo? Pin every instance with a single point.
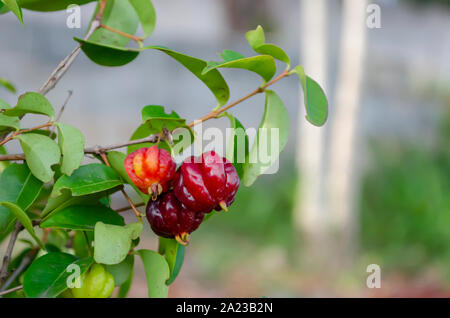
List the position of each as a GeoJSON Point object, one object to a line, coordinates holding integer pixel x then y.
{"type": "Point", "coordinates": [206, 182]}
{"type": "Point", "coordinates": [169, 218]}
{"type": "Point", "coordinates": [151, 170]}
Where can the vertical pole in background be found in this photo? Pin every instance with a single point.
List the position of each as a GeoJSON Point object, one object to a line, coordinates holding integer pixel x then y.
{"type": "Point", "coordinates": [309, 210]}
{"type": "Point", "coordinates": [342, 178]}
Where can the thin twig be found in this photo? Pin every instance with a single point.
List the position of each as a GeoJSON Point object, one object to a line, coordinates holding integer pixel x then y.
{"type": "Point", "coordinates": [12, 290]}
{"type": "Point", "coordinates": [97, 149]}
{"type": "Point", "coordinates": [22, 131]}
{"type": "Point", "coordinates": [126, 208]}
{"type": "Point", "coordinates": [127, 35]}
{"type": "Point", "coordinates": [133, 207]}
{"type": "Point", "coordinates": [260, 89]}
{"type": "Point", "coordinates": [63, 107]}
{"type": "Point", "coordinates": [65, 64]}
{"type": "Point", "coordinates": [7, 258]}
{"type": "Point", "coordinates": [23, 265]}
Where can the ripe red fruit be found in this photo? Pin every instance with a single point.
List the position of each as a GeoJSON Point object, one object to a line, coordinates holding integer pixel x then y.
{"type": "Point", "coordinates": [169, 218]}
{"type": "Point", "coordinates": [206, 182]}
{"type": "Point", "coordinates": [151, 170]}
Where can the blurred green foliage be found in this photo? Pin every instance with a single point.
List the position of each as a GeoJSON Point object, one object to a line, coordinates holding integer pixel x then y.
{"type": "Point", "coordinates": [405, 204]}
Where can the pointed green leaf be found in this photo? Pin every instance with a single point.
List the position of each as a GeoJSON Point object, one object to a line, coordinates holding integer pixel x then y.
{"type": "Point", "coordinates": [316, 103]}
{"type": "Point", "coordinates": [256, 39]}
{"type": "Point", "coordinates": [88, 179]}
{"type": "Point", "coordinates": [82, 217]}
{"type": "Point", "coordinates": [146, 13]}
{"type": "Point", "coordinates": [7, 123]}
{"type": "Point", "coordinates": [266, 151]}
{"type": "Point", "coordinates": [48, 275]}
{"type": "Point", "coordinates": [122, 271]}
{"type": "Point", "coordinates": [3, 164]}
{"type": "Point", "coordinates": [117, 161]}
{"type": "Point", "coordinates": [41, 154]}
{"type": "Point", "coordinates": [7, 84]}
{"type": "Point", "coordinates": [238, 145]}
{"type": "Point", "coordinates": [119, 15]}
{"type": "Point", "coordinates": [33, 103]}
{"type": "Point", "coordinates": [66, 199]}
{"type": "Point", "coordinates": [23, 218]}
{"type": "Point", "coordinates": [50, 5]}
{"type": "Point", "coordinates": [156, 272]}
{"type": "Point", "coordinates": [174, 255]}
{"type": "Point", "coordinates": [22, 188]}
{"type": "Point", "coordinates": [15, 8]}
{"type": "Point", "coordinates": [113, 242]}
{"type": "Point", "coordinates": [71, 144]}
{"type": "Point", "coordinates": [213, 80]}
{"type": "Point", "coordinates": [107, 55]}
{"type": "Point", "coordinates": [157, 119]}
{"type": "Point", "coordinates": [263, 65]}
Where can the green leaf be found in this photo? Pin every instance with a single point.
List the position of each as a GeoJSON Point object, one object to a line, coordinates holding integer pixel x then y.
{"type": "Point", "coordinates": [174, 255]}
{"type": "Point", "coordinates": [125, 287]}
{"type": "Point", "coordinates": [8, 123]}
{"type": "Point", "coordinates": [49, 5]}
{"type": "Point", "coordinates": [213, 80]}
{"type": "Point", "coordinates": [263, 65]}
{"type": "Point", "coordinates": [71, 144]}
{"type": "Point", "coordinates": [157, 119]}
{"type": "Point", "coordinates": [48, 275]}
{"type": "Point", "coordinates": [15, 8]}
{"type": "Point", "coordinates": [41, 154]}
{"type": "Point", "coordinates": [7, 84]}
{"type": "Point", "coordinates": [238, 145]}
{"type": "Point", "coordinates": [316, 103]}
{"type": "Point", "coordinates": [22, 189]}
{"type": "Point", "coordinates": [146, 13]}
{"type": "Point", "coordinates": [3, 164]}
{"type": "Point", "coordinates": [107, 55]}
{"type": "Point", "coordinates": [82, 217]}
{"type": "Point", "coordinates": [66, 199]}
{"type": "Point", "coordinates": [23, 218]}
{"type": "Point", "coordinates": [119, 15]}
{"type": "Point", "coordinates": [275, 116]}
{"type": "Point", "coordinates": [88, 179]}
{"type": "Point", "coordinates": [256, 39]}
{"type": "Point", "coordinates": [156, 272]}
{"type": "Point", "coordinates": [32, 103]}
{"type": "Point", "coordinates": [117, 161]}
{"type": "Point", "coordinates": [122, 271]}
{"type": "Point", "coordinates": [113, 242]}
{"type": "Point", "coordinates": [80, 245]}
{"type": "Point", "coordinates": [143, 131]}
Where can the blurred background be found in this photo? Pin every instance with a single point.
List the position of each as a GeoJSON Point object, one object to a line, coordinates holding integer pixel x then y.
{"type": "Point", "coordinates": [370, 187]}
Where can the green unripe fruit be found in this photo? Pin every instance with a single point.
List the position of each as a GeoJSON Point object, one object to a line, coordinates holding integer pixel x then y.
{"type": "Point", "coordinates": [95, 283]}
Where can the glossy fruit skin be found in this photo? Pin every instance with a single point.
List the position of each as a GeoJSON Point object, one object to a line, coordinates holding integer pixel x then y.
{"type": "Point", "coordinates": [95, 283]}
{"type": "Point", "coordinates": [151, 169]}
{"type": "Point", "coordinates": [207, 182]}
{"type": "Point", "coordinates": [169, 218]}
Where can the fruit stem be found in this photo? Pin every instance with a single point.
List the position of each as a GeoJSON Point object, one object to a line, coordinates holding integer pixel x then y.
{"type": "Point", "coordinates": [223, 205]}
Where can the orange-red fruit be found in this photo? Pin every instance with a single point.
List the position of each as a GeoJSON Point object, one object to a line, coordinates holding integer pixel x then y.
{"type": "Point", "coordinates": [150, 169]}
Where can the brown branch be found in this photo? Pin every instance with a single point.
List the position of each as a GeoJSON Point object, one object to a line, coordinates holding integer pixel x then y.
{"type": "Point", "coordinates": [126, 208]}
{"type": "Point", "coordinates": [63, 107]}
{"type": "Point", "coordinates": [260, 89]}
{"type": "Point", "coordinates": [65, 64]}
{"type": "Point", "coordinates": [23, 265]}
{"type": "Point", "coordinates": [127, 35]}
{"type": "Point", "coordinates": [22, 131]}
{"type": "Point", "coordinates": [11, 290]}
{"type": "Point", "coordinates": [7, 258]}
{"type": "Point", "coordinates": [133, 207]}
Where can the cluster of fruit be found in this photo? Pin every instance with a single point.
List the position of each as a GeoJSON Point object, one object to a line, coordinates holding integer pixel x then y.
{"type": "Point", "coordinates": [181, 198]}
